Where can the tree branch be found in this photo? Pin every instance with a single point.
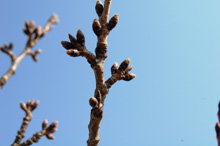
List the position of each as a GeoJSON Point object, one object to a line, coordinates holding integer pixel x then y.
{"type": "Point", "coordinates": [76, 47]}
{"type": "Point", "coordinates": [34, 35]}
{"type": "Point", "coordinates": [217, 126]}
{"type": "Point", "coordinates": [28, 108]}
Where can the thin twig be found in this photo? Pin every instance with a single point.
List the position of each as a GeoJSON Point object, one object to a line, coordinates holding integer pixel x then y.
{"type": "Point", "coordinates": [28, 108]}
{"type": "Point", "coordinates": [34, 35]}
{"type": "Point", "coordinates": [76, 47]}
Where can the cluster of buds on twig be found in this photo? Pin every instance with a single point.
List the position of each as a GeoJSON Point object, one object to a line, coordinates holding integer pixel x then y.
{"type": "Point", "coordinates": [95, 103]}
{"type": "Point", "coordinates": [122, 72]}
{"type": "Point", "coordinates": [29, 106]}
{"type": "Point", "coordinates": [50, 129]}
{"type": "Point", "coordinates": [8, 50]}
{"type": "Point", "coordinates": [38, 32]}
{"type": "Point", "coordinates": [76, 46]}
{"type": "Point", "coordinates": [99, 10]}
{"type": "Point", "coordinates": [97, 27]}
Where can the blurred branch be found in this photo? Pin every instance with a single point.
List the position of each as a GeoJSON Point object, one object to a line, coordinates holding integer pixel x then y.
{"type": "Point", "coordinates": [28, 108]}
{"type": "Point", "coordinates": [217, 126]}
{"type": "Point", "coordinates": [34, 35]}
{"type": "Point", "coordinates": [76, 47]}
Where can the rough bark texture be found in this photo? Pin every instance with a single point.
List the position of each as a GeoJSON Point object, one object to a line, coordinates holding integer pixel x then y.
{"type": "Point", "coordinates": [34, 35]}
{"type": "Point", "coordinates": [28, 108]}
{"type": "Point", "coordinates": [76, 47]}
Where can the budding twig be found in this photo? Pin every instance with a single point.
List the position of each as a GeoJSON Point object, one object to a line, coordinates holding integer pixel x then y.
{"type": "Point", "coordinates": [34, 35]}
{"type": "Point", "coordinates": [28, 108]}
{"type": "Point", "coordinates": [76, 47]}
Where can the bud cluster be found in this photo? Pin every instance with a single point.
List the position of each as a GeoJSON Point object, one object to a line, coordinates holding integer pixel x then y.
{"type": "Point", "coordinates": [29, 106]}
{"type": "Point", "coordinates": [50, 129]}
{"type": "Point", "coordinates": [76, 45]}
{"type": "Point", "coordinates": [123, 70]}
{"type": "Point", "coordinates": [97, 27]}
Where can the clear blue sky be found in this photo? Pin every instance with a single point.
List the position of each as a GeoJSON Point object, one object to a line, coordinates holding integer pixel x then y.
{"type": "Point", "coordinates": [174, 46]}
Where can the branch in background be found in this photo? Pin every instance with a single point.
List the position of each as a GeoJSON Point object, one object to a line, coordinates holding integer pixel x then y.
{"type": "Point", "coordinates": [34, 35]}
{"type": "Point", "coordinates": [28, 108]}
{"type": "Point", "coordinates": [76, 47]}
{"type": "Point", "coordinates": [217, 126]}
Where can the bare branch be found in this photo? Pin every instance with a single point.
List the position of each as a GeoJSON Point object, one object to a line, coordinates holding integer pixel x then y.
{"type": "Point", "coordinates": [8, 50]}
{"type": "Point", "coordinates": [28, 108]}
{"type": "Point", "coordinates": [76, 47]}
{"type": "Point", "coordinates": [46, 131]}
{"type": "Point", "coordinates": [34, 35]}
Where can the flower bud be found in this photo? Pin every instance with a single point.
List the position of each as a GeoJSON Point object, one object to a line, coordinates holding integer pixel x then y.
{"type": "Point", "coordinates": [73, 52]}
{"type": "Point", "coordinates": [124, 64]}
{"type": "Point", "coordinates": [53, 127]}
{"type": "Point", "coordinates": [10, 46]}
{"type": "Point", "coordinates": [97, 28]}
{"type": "Point", "coordinates": [129, 77]}
{"type": "Point", "coordinates": [38, 31]}
{"type": "Point", "coordinates": [99, 8]}
{"type": "Point", "coordinates": [23, 106]}
{"type": "Point", "coordinates": [93, 102]}
{"type": "Point", "coordinates": [114, 68]}
{"type": "Point", "coordinates": [50, 136]}
{"type": "Point", "coordinates": [67, 45]}
{"type": "Point", "coordinates": [113, 22]}
{"type": "Point", "coordinates": [35, 105]}
{"type": "Point", "coordinates": [44, 124]}
{"type": "Point", "coordinates": [80, 37]}
{"type": "Point", "coordinates": [53, 19]}
{"type": "Point", "coordinates": [72, 40]}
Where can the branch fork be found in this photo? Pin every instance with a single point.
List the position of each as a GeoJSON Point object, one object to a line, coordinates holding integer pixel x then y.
{"type": "Point", "coordinates": [76, 47]}
{"type": "Point", "coordinates": [47, 131]}
{"type": "Point", "coordinates": [34, 35]}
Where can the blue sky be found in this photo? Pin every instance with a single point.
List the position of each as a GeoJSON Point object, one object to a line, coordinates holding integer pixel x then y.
{"type": "Point", "coordinates": [174, 47]}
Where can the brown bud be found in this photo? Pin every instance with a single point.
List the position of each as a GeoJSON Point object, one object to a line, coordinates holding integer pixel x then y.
{"type": "Point", "coordinates": [50, 136]}
{"type": "Point", "coordinates": [124, 64]}
{"type": "Point", "coordinates": [53, 19]}
{"type": "Point", "coordinates": [113, 22]}
{"type": "Point", "coordinates": [97, 28]}
{"type": "Point", "coordinates": [73, 52]}
{"type": "Point", "coordinates": [10, 46]}
{"type": "Point", "coordinates": [53, 127]}
{"type": "Point", "coordinates": [129, 77]}
{"type": "Point", "coordinates": [72, 40]}
{"type": "Point", "coordinates": [67, 45]}
{"type": "Point", "coordinates": [38, 32]}
{"type": "Point", "coordinates": [26, 24]}
{"type": "Point", "coordinates": [23, 106]}
{"type": "Point", "coordinates": [44, 124]}
{"type": "Point", "coordinates": [35, 105]}
{"type": "Point", "coordinates": [26, 31]}
{"type": "Point", "coordinates": [93, 102]}
{"type": "Point", "coordinates": [114, 68]}
{"type": "Point", "coordinates": [129, 68]}
{"type": "Point", "coordinates": [80, 37]}
{"type": "Point", "coordinates": [99, 8]}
